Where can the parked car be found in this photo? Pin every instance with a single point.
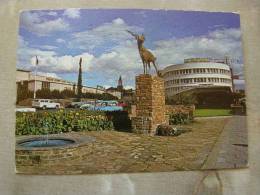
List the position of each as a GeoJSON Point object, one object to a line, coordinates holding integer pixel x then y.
{"type": "Point", "coordinates": [45, 104]}
{"type": "Point", "coordinates": [76, 104]}
{"type": "Point", "coordinates": [25, 109]}
{"type": "Point", "coordinates": [99, 107]}
{"type": "Point", "coordinates": [109, 108]}
{"type": "Point", "coordinates": [87, 107]}
{"type": "Point", "coordinates": [122, 104]}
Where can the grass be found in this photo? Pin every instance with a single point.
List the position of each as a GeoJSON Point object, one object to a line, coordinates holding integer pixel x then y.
{"type": "Point", "coordinates": [212, 112]}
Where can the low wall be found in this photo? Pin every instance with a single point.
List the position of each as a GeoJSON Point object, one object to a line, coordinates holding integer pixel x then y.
{"type": "Point", "coordinates": [180, 108]}
{"type": "Point", "coordinates": [27, 158]}
{"type": "Point", "coordinates": [169, 109]}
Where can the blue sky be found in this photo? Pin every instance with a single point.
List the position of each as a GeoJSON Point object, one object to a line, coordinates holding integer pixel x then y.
{"type": "Point", "coordinates": [61, 37]}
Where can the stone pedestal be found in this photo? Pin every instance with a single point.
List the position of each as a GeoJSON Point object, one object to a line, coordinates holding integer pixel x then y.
{"type": "Point", "coordinates": [150, 104]}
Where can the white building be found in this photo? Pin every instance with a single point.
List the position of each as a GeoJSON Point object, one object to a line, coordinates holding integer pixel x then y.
{"type": "Point", "coordinates": [197, 73]}
{"type": "Point", "coordinates": [27, 78]}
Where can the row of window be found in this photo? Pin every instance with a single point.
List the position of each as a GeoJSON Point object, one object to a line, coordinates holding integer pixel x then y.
{"type": "Point", "coordinates": [196, 71]}
{"type": "Point", "coordinates": [197, 80]}
{"type": "Point", "coordinates": [176, 89]}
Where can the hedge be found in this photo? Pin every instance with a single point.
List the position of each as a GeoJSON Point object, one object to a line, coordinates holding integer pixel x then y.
{"type": "Point", "coordinates": [40, 123]}
{"type": "Point", "coordinates": [62, 121]}
{"type": "Point", "coordinates": [180, 118]}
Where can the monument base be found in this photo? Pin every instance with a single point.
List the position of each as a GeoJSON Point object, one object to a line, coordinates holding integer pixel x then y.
{"type": "Point", "coordinates": [150, 104]}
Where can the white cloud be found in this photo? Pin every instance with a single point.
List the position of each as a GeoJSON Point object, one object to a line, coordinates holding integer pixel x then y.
{"type": "Point", "coordinates": [34, 23]}
{"type": "Point", "coordinates": [48, 47]}
{"type": "Point", "coordinates": [106, 36]}
{"type": "Point", "coordinates": [217, 44]}
{"type": "Point", "coordinates": [123, 57]}
{"type": "Point", "coordinates": [118, 21]}
{"type": "Point", "coordinates": [48, 74]}
{"type": "Point", "coordinates": [59, 40]}
{"type": "Point", "coordinates": [107, 86]}
{"type": "Point", "coordinates": [72, 13]}
{"type": "Point", "coordinates": [129, 87]}
{"type": "Point", "coordinates": [65, 64]}
{"type": "Point", "coordinates": [52, 13]}
{"type": "Point", "coordinates": [49, 61]}
{"type": "Point", "coordinates": [25, 54]}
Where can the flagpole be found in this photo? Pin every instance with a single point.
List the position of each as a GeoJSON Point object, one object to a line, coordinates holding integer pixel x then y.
{"type": "Point", "coordinates": [35, 73]}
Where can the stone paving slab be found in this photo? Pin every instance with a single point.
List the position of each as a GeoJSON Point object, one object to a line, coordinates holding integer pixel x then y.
{"type": "Point", "coordinates": [231, 149]}
{"type": "Point", "coordinates": [121, 152]}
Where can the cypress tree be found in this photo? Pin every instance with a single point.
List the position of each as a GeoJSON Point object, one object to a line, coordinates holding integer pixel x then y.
{"type": "Point", "coordinates": [79, 86]}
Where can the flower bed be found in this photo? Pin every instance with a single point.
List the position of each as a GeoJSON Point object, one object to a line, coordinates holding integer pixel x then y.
{"type": "Point", "coordinates": [40, 123]}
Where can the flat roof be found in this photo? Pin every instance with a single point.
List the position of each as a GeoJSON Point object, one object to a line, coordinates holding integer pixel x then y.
{"type": "Point", "coordinates": [22, 70]}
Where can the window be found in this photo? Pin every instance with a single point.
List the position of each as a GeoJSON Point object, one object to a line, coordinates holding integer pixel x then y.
{"type": "Point", "coordinates": [45, 85]}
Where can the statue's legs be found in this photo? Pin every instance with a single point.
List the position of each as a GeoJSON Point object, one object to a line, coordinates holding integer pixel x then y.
{"type": "Point", "coordinates": [155, 68]}
{"type": "Point", "coordinates": [143, 66]}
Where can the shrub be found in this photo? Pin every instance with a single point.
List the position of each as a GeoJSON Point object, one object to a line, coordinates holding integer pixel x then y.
{"type": "Point", "coordinates": [164, 130]}
{"type": "Point", "coordinates": [61, 121]}
{"type": "Point", "coordinates": [180, 118]}
{"type": "Point", "coordinates": [120, 120]}
{"type": "Point", "coordinates": [186, 98]}
{"type": "Point", "coordinates": [167, 130]}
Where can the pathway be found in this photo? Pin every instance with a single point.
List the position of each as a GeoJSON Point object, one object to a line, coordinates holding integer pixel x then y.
{"type": "Point", "coordinates": [230, 150]}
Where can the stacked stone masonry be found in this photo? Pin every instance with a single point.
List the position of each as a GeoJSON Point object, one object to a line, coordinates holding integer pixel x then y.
{"type": "Point", "coordinates": [150, 104]}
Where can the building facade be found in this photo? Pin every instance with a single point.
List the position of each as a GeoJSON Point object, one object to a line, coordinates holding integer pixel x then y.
{"type": "Point", "coordinates": [38, 82]}
{"type": "Point", "coordinates": [126, 95]}
{"type": "Point", "coordinates": [197, 73]}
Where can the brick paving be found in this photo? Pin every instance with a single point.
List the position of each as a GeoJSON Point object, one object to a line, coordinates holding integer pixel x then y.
{"type": "Point", "coordinates": [121, 152]}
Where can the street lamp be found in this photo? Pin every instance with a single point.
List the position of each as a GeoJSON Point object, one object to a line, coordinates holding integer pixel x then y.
{"type": "Point", "coordinates": [35, 73]}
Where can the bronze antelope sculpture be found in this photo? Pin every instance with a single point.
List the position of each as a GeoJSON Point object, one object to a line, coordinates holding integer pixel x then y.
{"type": "Point", "coordinates": [146, 56]}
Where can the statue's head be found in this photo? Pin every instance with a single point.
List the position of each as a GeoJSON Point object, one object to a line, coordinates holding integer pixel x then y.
{"type": "Point", "coordinates": [141, 38]}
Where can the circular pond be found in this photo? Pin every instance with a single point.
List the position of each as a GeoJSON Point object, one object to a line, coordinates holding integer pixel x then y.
{"type": "Point", "coordinates": [46, 143]}
{"type": "Point", "coordinates": [57, 149]}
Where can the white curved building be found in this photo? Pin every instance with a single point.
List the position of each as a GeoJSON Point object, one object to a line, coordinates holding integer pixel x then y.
{"type": "Point", "coordinates": [197, 73]}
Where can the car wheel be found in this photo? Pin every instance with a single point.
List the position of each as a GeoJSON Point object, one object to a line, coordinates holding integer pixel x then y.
{"type": "Point", "coordinates": [57, 107]}
{"type": "Point", "coordinates": [44, 107]}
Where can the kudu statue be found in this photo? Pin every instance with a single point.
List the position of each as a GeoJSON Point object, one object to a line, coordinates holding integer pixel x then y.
{"type": "Point", "coordinates": [146, 56]}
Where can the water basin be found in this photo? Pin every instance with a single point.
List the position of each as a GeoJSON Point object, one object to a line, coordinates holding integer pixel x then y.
{"type": "Point", "coordinates": [47, 143]}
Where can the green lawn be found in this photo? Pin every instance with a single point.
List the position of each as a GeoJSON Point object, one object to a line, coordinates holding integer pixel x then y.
{"type": "Point", "coordinates": [212, 112]}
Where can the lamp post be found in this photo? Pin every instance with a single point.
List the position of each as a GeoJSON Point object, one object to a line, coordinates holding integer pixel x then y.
{"type": "Point", "coordinates": [35, 73]}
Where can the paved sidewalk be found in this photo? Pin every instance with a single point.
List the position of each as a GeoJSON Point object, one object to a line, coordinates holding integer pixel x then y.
{"type": "Point", "coordinates": [122, 152]}
{"type": "Point", "coordinates": [231, 148]}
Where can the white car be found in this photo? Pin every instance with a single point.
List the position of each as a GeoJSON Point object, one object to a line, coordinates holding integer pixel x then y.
{"type": "Point", "coordinates": [25, 110]}
{"type": "Point", "coordinates": [87, 107]}
{"type": "Point", "coordinates": [45, 103]}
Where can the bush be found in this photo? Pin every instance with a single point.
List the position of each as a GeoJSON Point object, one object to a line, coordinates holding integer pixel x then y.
{"type": "Point", "coordinates": [186, 98]}
{"type": "Point", "coordinates": [120, 120]}
{"type": "Point", "coordinates": [61, 121]}
{"type": "Point", "coordinates": [180, 118]}
{"type": "Point", "coordinates": [164, 130]}
{"type": "Point", "coordinates": [167, 130]}
{"type": "Point", "coordinates": [23, 92]}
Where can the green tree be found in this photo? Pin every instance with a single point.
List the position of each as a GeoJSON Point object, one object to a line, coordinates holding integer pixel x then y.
{"type": "Point", "coordinates": [184, 99]}
{"type": "Point", "coordinates": [79, 86]}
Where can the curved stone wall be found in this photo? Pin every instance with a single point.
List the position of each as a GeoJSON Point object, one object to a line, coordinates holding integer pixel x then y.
{"type": "Point", "coordinates": [48, 156]}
